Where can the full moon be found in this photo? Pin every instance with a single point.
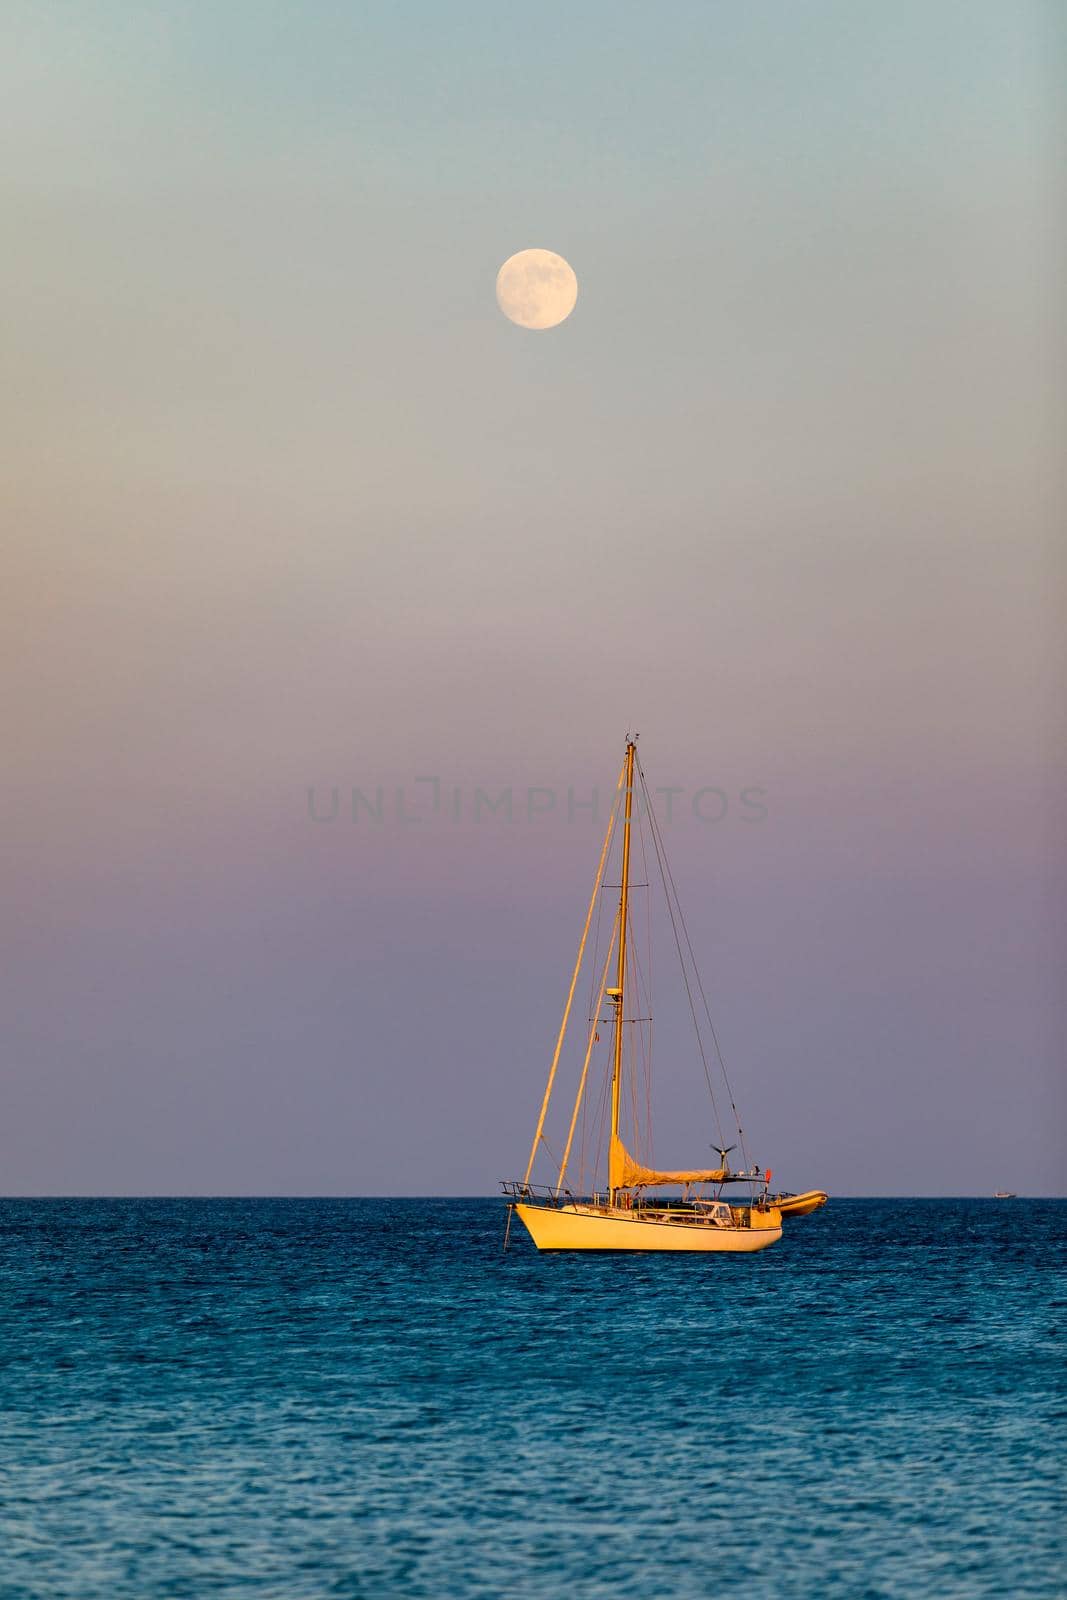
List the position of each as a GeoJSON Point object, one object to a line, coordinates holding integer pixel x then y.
{"type": "Point", "coordinates": [536, 289]}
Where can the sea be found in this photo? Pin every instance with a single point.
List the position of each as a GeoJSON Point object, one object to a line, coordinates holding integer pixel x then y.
{"type": "Point", "coordinates": [369, 1398]}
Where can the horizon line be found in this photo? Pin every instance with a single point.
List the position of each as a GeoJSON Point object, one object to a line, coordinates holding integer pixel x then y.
{"type": "Point", "coordinates": [311, 1195]}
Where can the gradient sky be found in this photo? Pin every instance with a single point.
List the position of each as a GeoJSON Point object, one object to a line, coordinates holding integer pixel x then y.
{"type": "Point", "coordinates": [287, 502]}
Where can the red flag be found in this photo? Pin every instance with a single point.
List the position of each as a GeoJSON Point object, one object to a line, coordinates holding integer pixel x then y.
{"type": "Point", "coordinates": [767, 1178]}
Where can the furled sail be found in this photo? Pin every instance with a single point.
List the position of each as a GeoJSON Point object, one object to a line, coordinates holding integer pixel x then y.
{"type": "Point", "coordinates": [626, 1173]}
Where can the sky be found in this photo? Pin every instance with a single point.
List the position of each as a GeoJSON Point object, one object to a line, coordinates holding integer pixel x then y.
{"type": "Point", "coordinates": [289, 506]}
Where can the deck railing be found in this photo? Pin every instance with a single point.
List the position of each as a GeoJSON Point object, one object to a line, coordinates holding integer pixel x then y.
{"type": "Point", "coordinates": [683, 1213]}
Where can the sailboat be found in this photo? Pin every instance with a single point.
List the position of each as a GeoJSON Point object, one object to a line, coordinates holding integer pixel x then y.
{"type": "Point", "coordinates": [626, 1209]}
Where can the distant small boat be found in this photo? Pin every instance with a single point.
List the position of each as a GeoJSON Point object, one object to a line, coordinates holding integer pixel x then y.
{"type": "Point", "coordinates": [1005, 1194]}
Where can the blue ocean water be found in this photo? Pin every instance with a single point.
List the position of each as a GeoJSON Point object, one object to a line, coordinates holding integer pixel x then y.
{"type": "Point", "coordinates": [352, 1398]}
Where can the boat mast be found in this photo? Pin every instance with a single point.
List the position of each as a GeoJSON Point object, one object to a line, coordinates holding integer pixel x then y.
{"type": "Point", "coordinates": [620, 990]}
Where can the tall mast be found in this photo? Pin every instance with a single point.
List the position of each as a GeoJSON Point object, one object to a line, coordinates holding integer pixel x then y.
{"type": "Point", "coordinates": [620, 991]}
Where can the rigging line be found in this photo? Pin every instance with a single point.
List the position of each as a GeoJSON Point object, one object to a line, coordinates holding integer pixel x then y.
{"type": "Point", "coordinates": [590, 1149]}
{"type": "Point", "coordinates": [656, 845]}
{"type": "Point", "coordinates": [581, 1148]}
{"type": "Point", "coordinates": [598, 1123]}
{"type": "Point", "coordinates": [638, 1141]}
{"type": "Point", "coordinates": [644, 1146]}
{"type": "Point", "coordinates": [649, 1008]}
{"type": "Point", "coordinates": [596, 952]}
{"type": "Point", "coordinates": [595, 962]}
{"type": "Point", "coordinates": [700, 986]}
{"type": "Point", "coordinates": [711, 1020]}
{"type": "Point", "coordinates": [642, 1050]}
{"type": "Point", "coordinates": [644, 1045]}
{"type": "Point", "coordinates": [549, 1148]}
{"type": "Point", "coordinates": [593, 1114]}
{"type": "Point", "coordinates": [644, 995]}
{"type": "Point", "coordinates": [593, 1036]}
{"type": "Point", "coordinates": [577, 968]}
{"type": "Point", "coordinates": [632, 1042]}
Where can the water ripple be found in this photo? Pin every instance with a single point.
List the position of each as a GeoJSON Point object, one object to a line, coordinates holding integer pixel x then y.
{"type": "Point", "coordinates": [346, 1398]}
